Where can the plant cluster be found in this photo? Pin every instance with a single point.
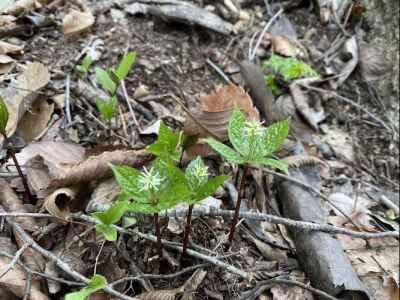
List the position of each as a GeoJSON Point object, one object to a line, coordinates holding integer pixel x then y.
{"type": "Point", "coordinates": [287, 68]}
{"type": "Point", "coordinates": [109, 80]}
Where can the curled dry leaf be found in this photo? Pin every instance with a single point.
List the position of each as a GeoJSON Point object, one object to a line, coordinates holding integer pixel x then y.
{"type": "Point", "coordinates": [215, 110]}
{"type": "Point", "coordinates": [103, 195]}
{"type": "Point", "coordinates": [57, 204]}
{"type": "Point", "coordinates": [78, 21]}
{"type": "Point", "coordinates": [15, 279]}
{"type": "Point", "coordinates": [373, 63]}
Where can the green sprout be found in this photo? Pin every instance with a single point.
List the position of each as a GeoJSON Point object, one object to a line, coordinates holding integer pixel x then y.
{"type": "Point", "coordinates": [97, 283]}
{"type": "Point", "coordinates": [86, 63]}
{"type": "Point", "coordinates": [252, 145]}
{"type": "Point", "coordinates": [110, 81]}
{"type": "Point", "coordinates": [4, 116]}
{"type": "Point", "coordinates": [199, 187]}
{"type": "Point", "coordinates": [287, 67]}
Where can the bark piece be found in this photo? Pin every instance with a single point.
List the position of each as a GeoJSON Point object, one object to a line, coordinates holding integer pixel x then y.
{"type": "Point", "coordinates": [181, 11]}
{"type": "Point", "coordinates": [321, 255]}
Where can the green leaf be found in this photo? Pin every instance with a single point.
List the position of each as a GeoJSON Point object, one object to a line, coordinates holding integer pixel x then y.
{"type": "Point", "coordinates": [113, 214]}
{"type": "Point", "coordinates": [86, 63]}
{"type": "Point", "coordinates": [196, 173]}
{"type": "Point", "coordinates": [208, 189]}
{"type": "Point", "coordinates": [3, 115]}
{"type": "Point", "coordinates": [125, 65]}
{"type": "Point", "coordinates": [109, 232]}
{"type": "Point", "coordinates": [272, 85]}
{"type": "Point", "coordinates": [289, 68]}
{"type": "Point", "coordinates": [236, 132]}
{"type": "Point", "coordinates": [278, 164]}
{"type": "Point", "coordinates": [128, 179]}
{"type": "Point", "coordinates": [107, 108]}
{"type": "Point", "coordinates": [168, 145]}
{"type": "Point", "coordinates": [274, 136]}
{"type": "Point", "coordinates": [105, 80]}
{"type": "Point", "coordinates": [128, 222]}
{"type": "Point", "coordinates": [97, 282]}
{"type": "Point", "coordinates": [227, 152]}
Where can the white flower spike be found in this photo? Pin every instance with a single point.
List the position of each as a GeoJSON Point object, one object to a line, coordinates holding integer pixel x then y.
{"type": "Point", "coordinates": [150, 180]}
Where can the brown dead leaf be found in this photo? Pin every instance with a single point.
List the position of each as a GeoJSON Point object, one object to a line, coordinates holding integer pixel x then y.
{"type": "Point", "coordinates": [214, 111]}
{"type": "Point", "coordinates": [284, 46]}
{"type": "Point", "coordinates": [103, 195]}
{"type": "Point", "coordinates": [35, 120]}
{"type": "Point", "coordinates": [7, 48]}
{"type": "Point", "coordinates": [290, 292]}
{"type": "Point", "coordinates": [340, 141]}
{"type": "Point", "coordinates": [35, 76]}
{"type": "Point", "coordinates": [57, 204]}
{"type": "Point", "coordinates": [15, 279]}
{"type": "Point", "coordinates": [161, 295]}
{"type": "Point", "coordinates": [6, 64]}
{"type": "Point", "coordinates": [24, 6]}
{"type": "Point", "coordinates": [78, 21]}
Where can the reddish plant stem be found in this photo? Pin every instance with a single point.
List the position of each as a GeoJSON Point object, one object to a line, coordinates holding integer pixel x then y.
{"type": "Point", "coordinates": [187, 230]}
{"type": "Point", "coordinates": [237, 209]}
{"type": "Point", "coordinates": [158, 234]}
{"type": "Point", "coordinates": [19, 170]}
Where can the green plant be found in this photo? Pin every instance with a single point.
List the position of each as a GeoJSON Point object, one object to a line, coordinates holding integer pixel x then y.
{"type": "Point", "coordinates": [86, 63]}
{"type": "Point", "coordinates": [4, 116]}
{"type": "Point", "coordinates": [110, 81]}
{"type": "Point", "coordinates": [252, 144]}
{"type": "Point", "coordinates": [97, 283]}
{"type": "Point", "coordinates": [152, 191]}
{"type": "Point", "coordinates": [200, 187]}
{"type": "Point", "coordinates": [288, 68]}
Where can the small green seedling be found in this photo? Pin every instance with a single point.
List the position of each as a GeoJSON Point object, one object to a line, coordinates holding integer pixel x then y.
{"type": "Point", "coordinates": [97, 283]}
{"type": "Point", "coordinates": [4, 116]}
{"type": "Point", "coordinates": [152, 191]}
{"type": "Point", "coordinates": [110, 217]}
{"type": "Point", "coordinates": [86, 63]}
{"type": "Point", "coordinates": [110, 81]}
{"type": "Point", "coordinates": [200, 187]}
{"type": "Point", "coordinates": [168, 145]}
{"type": "Point", "coordinates": [288, 68]}
{"type": "Point", "coordinates": [252, 144]}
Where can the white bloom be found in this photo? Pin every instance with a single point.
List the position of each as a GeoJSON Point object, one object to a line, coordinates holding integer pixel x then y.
{"type": "Point", "coordinates": [150, 180]}
{"type": "Point", "coordinates": [254, 129]}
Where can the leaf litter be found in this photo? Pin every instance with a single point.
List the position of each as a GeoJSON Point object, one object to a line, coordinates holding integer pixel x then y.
{"type": "Point", "coordinates": [67, 164]}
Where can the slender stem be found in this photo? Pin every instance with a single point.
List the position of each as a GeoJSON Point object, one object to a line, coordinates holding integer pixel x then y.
{"type": "Point", "coordinates": [14, 158]}
{"type": "Point", "coordinates": [158, 234]}
{"type": "Point", "coordinates": [238, 202]}
{"type": "Point", "coordinates": [187, 229]}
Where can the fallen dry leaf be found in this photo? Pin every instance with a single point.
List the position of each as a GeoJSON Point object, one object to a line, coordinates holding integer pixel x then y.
{"type": "Point", "coordinates": [6, 64]}
{"type": "Point", "coordinates": [34, 77]}
{"type": "Point", "coordinates": [22, 6]}
{"type": "Point", "coordinates": [284, 46]}
{"type": "Point", "coordinates": [57, 204]}
{"type": "Point", "coordinates": [7, 48]}
{"type": "Point", "coordinates": [215, 110]}
{"type": "Point", "coordinates": [78, 21]}
{"type": "Point", "coordinates": [103, 195]}
{"type": "Point", "coordinates": [340, 141]}
{"type": "Point", "coordinates": [35, 120]}
{"type": "Point", "coordinates": [15, 279]}
{"type": "Point", "coordinates": [291, 292]}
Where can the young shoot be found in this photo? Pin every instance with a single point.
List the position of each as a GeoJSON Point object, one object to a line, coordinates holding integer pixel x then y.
{"type": "Point", "coordinates": [86, 63]}
{"type": "Point", "coordinates": [252, 145]}
{"type": "Point", "coordinates": [97, 283]}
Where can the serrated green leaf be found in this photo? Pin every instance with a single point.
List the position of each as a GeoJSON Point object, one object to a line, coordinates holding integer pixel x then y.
{"type": "Point", "coordinates": [125, 65]}
{"type": "Point", "coordinates": [227, 152]}
{"type": "Point", "coordinates": [113, 214]}
{"type": "Point", "coordinates": [109, 232]}
{"type": "Point", "coordinates": [196, 174]}
{"type": "Point", "coordinates": [107, 108]}
{"type": "Point", "coordinates": [274, 136]}
{"type": "Point", "coordinates": [128, 180]}
{"type": "Point", "coordinates": [168, 145]}
{"type": "Point", "coordinates": [278, 164]}
{"type": "Point", "coordinates": [207, 189]}
{"type": "Point", "coordinates": [105, 80]}
{"type": "Point", "coordinates": [97, 282]}
{"type": "Point", "coordinates": [236, 132]}
{"type": "Point", "coordinates": [3, 115]}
